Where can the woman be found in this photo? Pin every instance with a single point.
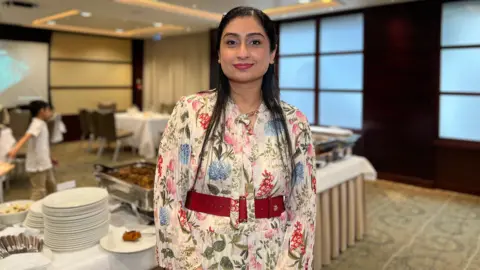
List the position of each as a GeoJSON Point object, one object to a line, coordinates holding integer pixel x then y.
{"type": "Point", "coordinates": [235, 185]}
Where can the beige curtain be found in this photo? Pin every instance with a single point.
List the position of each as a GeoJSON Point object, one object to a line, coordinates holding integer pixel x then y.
{"type": "Point", "coordinates": [175, 67]}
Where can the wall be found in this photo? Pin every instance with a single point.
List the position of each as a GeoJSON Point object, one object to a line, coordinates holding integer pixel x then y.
{"type": "Point", "coordinates": [85, 70]}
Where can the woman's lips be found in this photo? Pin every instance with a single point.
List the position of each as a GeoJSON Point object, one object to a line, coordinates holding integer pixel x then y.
{"type": "Point", "coordinates": [243, 66]}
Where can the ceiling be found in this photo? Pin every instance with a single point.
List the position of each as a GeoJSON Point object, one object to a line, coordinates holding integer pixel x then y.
{"type": "Point", "coordinates": [147, 18]}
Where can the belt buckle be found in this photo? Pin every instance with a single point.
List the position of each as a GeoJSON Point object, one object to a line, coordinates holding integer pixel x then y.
{"type": "Point", "coordinates": [242, 201]}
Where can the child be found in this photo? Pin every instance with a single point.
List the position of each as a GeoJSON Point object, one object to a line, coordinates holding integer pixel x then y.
{"type": "Point", "coordinates": [38, 161]}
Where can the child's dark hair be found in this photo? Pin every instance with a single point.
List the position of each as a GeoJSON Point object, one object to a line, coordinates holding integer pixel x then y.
{"type": "Point", "coordinates": [36, 106]}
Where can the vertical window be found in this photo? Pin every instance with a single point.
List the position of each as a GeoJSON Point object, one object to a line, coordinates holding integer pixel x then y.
{"type": "Point", "coordinates": [340, 71]}
{"type": "Point", "coordinates": [460, 72]}
{"type": "Point", "coordinates": [297, 65]}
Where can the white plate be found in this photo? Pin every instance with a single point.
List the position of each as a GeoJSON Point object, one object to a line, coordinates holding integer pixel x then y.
{"type": "Point", "coordinates": [36, 207]}
{"type": "Point", "coordinates": [113, 242]}
{"type": "Point", "coordinates": [77, 197]}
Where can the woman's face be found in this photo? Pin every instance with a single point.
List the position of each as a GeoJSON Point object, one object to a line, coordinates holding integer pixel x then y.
{"type": "Point", "coordinates": [245, 50]}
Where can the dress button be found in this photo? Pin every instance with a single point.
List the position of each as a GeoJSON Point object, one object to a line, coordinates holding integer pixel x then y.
{"type": "Point", "coordinates": [275, 207]}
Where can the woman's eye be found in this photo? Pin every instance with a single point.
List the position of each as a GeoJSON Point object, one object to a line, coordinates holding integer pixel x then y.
{"type": "Point", "coordinates": [256, 42]}
{"type": "Point", "coordinates": [231, 42]}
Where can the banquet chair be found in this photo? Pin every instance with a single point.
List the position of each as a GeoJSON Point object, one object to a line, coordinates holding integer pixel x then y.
{"type": "Point", "coordinates": [83, 116]}
{"type": "Point", "coordinates": [19, 121]}
{"type": "Point", "coordinates": [109, 133]}
{"type": "Point", "coordinates": [107, 107]}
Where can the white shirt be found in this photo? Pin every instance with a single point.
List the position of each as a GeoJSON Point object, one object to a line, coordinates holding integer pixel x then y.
{"type": "Point", "coordinates": [38, 151]}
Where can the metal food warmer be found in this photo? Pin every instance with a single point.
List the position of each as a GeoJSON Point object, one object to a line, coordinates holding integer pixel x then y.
{"type": "Point", "coordinates": [130, 183]}
{"type": "Point", "coordinates": [331, 147]}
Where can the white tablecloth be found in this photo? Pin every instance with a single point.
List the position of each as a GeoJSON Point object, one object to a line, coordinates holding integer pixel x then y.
{"type": "Point", "coordinates": [146, 130]}
{"type": "Point", "coordinates": [341, 171]}
{"type": "Point", "coordinates": [7, 141]}
{"type": "Point", "coordinates": [96, 258]}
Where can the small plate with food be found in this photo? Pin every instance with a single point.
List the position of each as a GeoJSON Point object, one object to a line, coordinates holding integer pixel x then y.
{"type": "Point", "coordinates": [14, 212]}
{"type": "Point", "coordinates": [126, 240]}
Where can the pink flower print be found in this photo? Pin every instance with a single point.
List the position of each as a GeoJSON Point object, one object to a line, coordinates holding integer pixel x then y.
{"type": "Point", "coordinates": [291, 121]}
{"type": "Point", "coordinates": [310, 151]}
{"type": "Point", "coordinates": [301, 117]}
{"type": "Point", "coordinates": [310, 168]}
{"type": "Point", "coordinates": [182, 215]}
{"type": "Point", "coordinates": [228, 138]}
{"type": "Point", "coordinates": [296, 241]}
{"type": "Point", "coordinates": [314, 184]}
{"type": "Point", "coordinates": [200, 216]}
{"type": "Point", "coordinates": [210, 229]}
{"type": "Point", "coordinates": [204, 120]}
{"type": "Point", "coordinates": [266, 186]}
{"type": "Point", "coordinates": [171, 187]}
{"type": "Point", "coordinates": [196, 105]}
{"type": "Point", "coordinates": [269, 234]}
{"type": "Point", "coordinates": [159, 165]}
{"type": "Point", "coordinates": [171, 165]}
{"type": "Point", "coordinates": [295, 130]}
{"type": "Point", "coordinates": [234, 206]}
{"type": "Point", "coordinates": [230, 123]}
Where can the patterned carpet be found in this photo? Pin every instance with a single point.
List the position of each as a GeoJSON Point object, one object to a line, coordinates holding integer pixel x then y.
{"type": "Point", "coordinates": [409, 228]}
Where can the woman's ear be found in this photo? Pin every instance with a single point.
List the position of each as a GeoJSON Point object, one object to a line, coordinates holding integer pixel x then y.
{"type": "Point", "coordinates": [273, 54]}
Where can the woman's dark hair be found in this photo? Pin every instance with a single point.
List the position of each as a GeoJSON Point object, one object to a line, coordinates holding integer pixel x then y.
{"type": "Point", "coordinates": [270, 90]}
{"type": "Point", "coordinates": [36, 106]}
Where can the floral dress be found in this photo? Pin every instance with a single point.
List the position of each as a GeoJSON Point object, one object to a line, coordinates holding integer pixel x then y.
{"type": "Point", "coordinates": [241, 162]}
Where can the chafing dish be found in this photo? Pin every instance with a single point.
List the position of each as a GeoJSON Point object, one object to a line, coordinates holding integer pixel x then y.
{"type": "Point", "coordinates": [330, 149]}
{"type": "Point", "coordinates": [131, 183]}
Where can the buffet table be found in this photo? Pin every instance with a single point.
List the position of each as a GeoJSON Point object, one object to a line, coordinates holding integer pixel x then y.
{"type": "Point", "coordinates": [146, 128]}
{"type": "Point", "coordinates": [341, 215]}
{"type": "Point", "coordinates": [96, 257]}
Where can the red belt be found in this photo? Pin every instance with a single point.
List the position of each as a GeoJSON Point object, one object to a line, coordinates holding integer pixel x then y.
{"type": "Point", "coordinates": [220, 206]}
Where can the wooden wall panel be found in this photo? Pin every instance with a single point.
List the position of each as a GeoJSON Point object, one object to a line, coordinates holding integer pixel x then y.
{"type": "Point", "coordinates": [401, 84]}
{"type": "Point", "coordinates": [89, 74]}
{"type": "Point", "coordinates": [70, 101]}
{"type": "Point", "coordinates": [73, 46]}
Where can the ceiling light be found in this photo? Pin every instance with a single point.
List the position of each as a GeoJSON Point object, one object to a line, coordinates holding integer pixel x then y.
{"type": "Point", "coordinates": [326, 1]}
{"type": "Point", "coordinates": [303, 1]}
{"type": "Point", "coordinates": [85, 14]}
{"type": "Point", "coordinates": [51, 22]}
{"type": "Point", "coordinates": [157, 24]}
{"type": "Point", "coordinates": [119, 30]}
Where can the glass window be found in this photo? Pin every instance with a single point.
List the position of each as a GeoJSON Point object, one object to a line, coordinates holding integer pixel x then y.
{"type": "Point", "coordinates": [297, 72]}
{"type": "Point", "coordinates": [297, 38]}
{"type": "Point", "coordinates": [303, 100]}
{"type": "Point", "coordinates": [460, 117]}
{"type": "Point", "coordinates": [460, 70]}
{"type": "Point", "coordinates": [341, 33]}
{"type": "Point", "coordinates": [341, 109]}
{"type": "Point", "coordinates": [461, 23]}
{"type": "Point", "coordinates": [341, 72]}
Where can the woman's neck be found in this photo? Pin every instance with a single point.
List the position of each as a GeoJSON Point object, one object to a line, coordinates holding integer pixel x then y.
{"type": "Point", "coordinates": [247, 97]}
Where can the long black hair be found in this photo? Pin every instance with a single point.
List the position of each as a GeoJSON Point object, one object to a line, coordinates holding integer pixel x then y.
{"type": "Point", "coordinates": [270, 90]}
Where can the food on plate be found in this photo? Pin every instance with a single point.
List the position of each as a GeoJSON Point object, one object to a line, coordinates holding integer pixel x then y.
{"type": "Point", "coordinates": [131, 236]}
{"type": "Point", "coordinates": [15, 208]}
{"type": "Point", "coordinates": [141, 176]}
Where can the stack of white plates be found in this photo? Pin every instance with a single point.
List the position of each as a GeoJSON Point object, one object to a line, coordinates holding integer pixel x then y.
{"type": "Point", "coordinates": [34, 217]}
{"type": "Point", "coordinates": [75, 219]}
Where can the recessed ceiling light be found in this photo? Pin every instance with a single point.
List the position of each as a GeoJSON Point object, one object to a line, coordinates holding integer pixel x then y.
{"type": "Point", "coordinates": [157, 24]}
{"type": "Point", "coordinates": [86, 14]}
{"type": "Point", "coordinates": [326, 1]}
{"type": "Point", "coordinates": [119, 30]}
{"type": "Point", "coordinates": [51, 22]}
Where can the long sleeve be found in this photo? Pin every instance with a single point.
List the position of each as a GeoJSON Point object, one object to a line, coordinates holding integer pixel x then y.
{"type": "Point", "coordinates": [297, 247]}
{"type": "Point", "coordinates": [176, 249]}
